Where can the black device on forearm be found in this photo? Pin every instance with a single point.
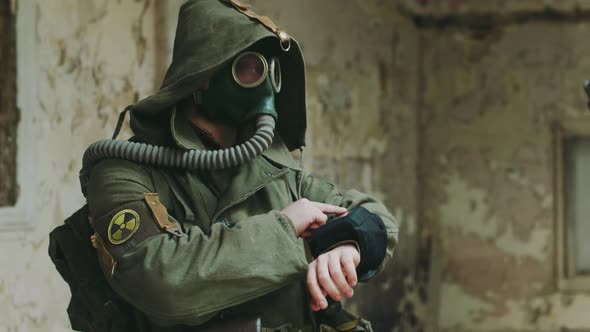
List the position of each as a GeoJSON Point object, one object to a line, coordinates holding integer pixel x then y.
{"type": "Point", "coordinates": [361, 226]}
{"type": "Point", "coordinates": [587, 89]}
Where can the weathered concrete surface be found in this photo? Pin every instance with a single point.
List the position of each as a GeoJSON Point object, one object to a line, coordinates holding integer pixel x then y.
{"type": "Point", "coordinates": [489, 100]}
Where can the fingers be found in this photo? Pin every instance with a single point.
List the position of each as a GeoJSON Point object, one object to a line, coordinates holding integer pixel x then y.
{"type": "Point", "coordinates": [332, 274]}
{"type": "Point", "coordinates": [315, 306]}
{"type": "Point", "coordinates": [349, 270]}
{"type": "Point", "coordinates": [314, 226]}
{"type": "Point", "coordinates": [319, 219]}
{"type": "Point", "coordinates": [325, 279]}
{"type": "Point", "coordinates": [306, 214]}
{"type": "Point", "coordinates": [318, 299]}
{"type": "Point", "coordinates": [307, 233]}
{"type": "Point", "coordinates": [338, 276]}
{"type": "Point", "coordinates": [328, 208]}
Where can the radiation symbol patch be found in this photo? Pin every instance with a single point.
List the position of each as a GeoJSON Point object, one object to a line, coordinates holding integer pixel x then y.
{"type": "Point", "coordinates": [123, 225]}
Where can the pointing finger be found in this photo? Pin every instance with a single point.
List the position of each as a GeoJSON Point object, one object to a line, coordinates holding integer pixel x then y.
{"type": "Point", "coordinates": [328, 208]}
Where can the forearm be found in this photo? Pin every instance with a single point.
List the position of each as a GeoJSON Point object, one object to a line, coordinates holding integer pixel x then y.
{"type": "Point", "coordinates": [185, 280]}
{"type": "Point", "coordinates": [319, 190]}
{"type": "Point", "coordinates": [353, 198]}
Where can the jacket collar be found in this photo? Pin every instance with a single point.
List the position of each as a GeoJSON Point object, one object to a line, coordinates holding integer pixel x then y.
{"type": "Point", "coordinates": [185, 137]}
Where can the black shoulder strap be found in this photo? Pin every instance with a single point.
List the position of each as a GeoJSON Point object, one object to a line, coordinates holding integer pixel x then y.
{"type": "Point", "coordinates": [120, 121]}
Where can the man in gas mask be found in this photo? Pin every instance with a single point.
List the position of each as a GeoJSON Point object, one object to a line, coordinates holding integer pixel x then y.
{"type": "Point", "coordinates": [204, 217]}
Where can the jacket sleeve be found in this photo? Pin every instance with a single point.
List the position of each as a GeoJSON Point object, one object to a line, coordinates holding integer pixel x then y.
{"type": "Point", "coordinates": [319, 190]}
{"type": "Point", "coordinates": [188, 279]}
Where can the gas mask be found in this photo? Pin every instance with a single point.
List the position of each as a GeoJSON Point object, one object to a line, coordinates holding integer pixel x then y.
{"type": "Point", "coordinates": [241, 92]}
{"type": "Point", "coordinates": [242, 89]}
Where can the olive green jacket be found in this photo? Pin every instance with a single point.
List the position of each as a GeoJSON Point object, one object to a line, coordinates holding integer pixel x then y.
{"type": "Point", "coordinates": [238, 254]}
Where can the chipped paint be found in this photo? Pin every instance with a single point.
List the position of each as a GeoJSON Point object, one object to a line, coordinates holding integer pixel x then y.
{"type": "Point", "coordinates": [465, 306]}
{"type": "Point", "coordinates": [359, 96]}
{"type": "Point", "coordinates": [446, 8]}
{"type": "Point", "coordinates": [97, 56]}
{"type": "Point", "coordinates": [550, 313]}
{"type": "Point", "coordinates": [536, 246]}
{"type": "Point", "coordinates": [89, 66]}
{"type": "Point", "coordinates": [362, 125]}
{"type": "Point", "coordinates": [488, 165]}
{"type": "Point", "coordinates": [467, 211]}
{"type": "Point", "coordinates": [450, 127]}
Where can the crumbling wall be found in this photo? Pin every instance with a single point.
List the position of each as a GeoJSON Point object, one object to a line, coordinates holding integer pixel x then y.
{"type": "Point", "coordinates": [487, 83]}
{"type": "Point", "coordinates": [465, 8]}
{"type": "Point", "coordinates": [490, 97]}
{"type": "Point", "coordinates": [362, 90]}
{"type": "Point", "coordinates": [448, 122]}
{"type": "Point", "coordinates": [93, 58]}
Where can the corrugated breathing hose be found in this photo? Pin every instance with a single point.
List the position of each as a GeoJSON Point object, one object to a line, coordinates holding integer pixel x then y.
{"type": "Point", "coordinates": [166, 157]}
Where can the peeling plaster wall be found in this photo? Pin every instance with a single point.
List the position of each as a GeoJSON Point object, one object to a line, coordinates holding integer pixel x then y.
{"type": "Point", "coordinates": [449, 126]}
{"type": "Point", "coordinates": [95, 57]}
{"type": "Point", "coordinates": [489, 99]}
{"type": "Point", "coordinates": [362, 90]}
{"type": "Point", "coordinates": [439, 8]}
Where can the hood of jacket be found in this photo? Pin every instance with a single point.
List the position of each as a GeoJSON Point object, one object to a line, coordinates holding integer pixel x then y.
{"type": "Point", "coordinates": [211, 33]}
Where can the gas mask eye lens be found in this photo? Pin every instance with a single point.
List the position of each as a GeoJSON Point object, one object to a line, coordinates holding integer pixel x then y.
{"type": "Point", "coordinates": [250, 69]}
{"type": "Point", "coordinates": [275, 74]}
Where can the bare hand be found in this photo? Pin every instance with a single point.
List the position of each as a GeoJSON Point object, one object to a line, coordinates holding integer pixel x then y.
{"type": "Point", "coordinates": [306, 214]}
{"type": "Point", "coordinates": [332, 273]}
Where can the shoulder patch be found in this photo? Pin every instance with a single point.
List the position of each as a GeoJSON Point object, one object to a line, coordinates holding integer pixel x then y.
{"type": "Point", "coordinates": [127, 226]}
{"type": "Point", "coordinates": [123, 226]}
